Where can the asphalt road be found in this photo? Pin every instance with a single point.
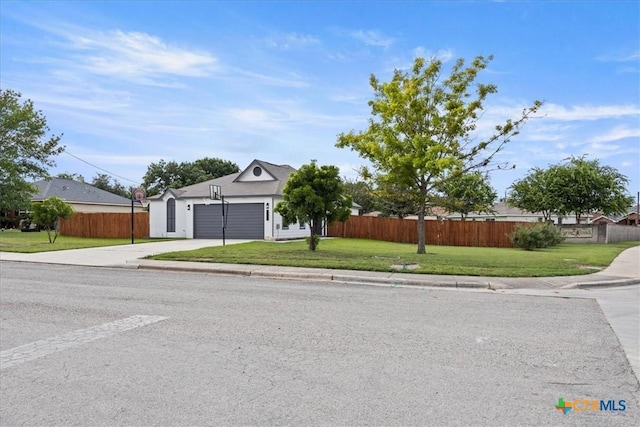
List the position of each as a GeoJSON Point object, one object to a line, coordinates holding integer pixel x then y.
{"type": "Point", "coordinates": [100, 346]}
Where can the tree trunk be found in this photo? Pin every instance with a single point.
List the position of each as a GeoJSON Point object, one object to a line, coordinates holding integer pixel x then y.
{"type": "Point", "coordinates": [421, 244]}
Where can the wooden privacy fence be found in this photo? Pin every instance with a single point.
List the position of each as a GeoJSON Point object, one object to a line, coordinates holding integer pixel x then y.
{"type": "Point", "coordinates": [109, 225]}
{"type": "Point", "coordinates": [445, 233]}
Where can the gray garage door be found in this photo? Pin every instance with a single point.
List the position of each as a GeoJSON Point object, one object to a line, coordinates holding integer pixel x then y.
{"type": "Point", "coordinates": [244, 221]}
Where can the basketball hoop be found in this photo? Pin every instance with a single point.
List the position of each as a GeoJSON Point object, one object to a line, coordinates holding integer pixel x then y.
{"type": "Point", "coordinates": [139, 195]}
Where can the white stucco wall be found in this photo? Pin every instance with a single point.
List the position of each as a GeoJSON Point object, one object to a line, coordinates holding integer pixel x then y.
{"type": "Point", "coordinates": [158, 218]}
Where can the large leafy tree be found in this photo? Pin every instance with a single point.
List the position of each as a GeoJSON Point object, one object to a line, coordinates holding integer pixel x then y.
{"type": "Point", "coordinates": [578, 187]}
{"type": "Point", "coordinates": [423, 129]}
{"type": "Point", "coordinates": [25, 151]}
{"type": "Point", "coordinates": [48, 214]}
{"type": "Point", "coordinates": [467, 193]}
{"type": "Point", "coordinates": [585, 186]}
{"type": "Point", "coordinates": [314, 195]}
{"type": "Point", "coordinates": [163, 175]}
{"type": "Point", "coordinates": [537, 192]}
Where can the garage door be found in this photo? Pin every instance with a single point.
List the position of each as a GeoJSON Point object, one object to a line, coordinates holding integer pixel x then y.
{"type": "Point", "coordinates": [244, 221]}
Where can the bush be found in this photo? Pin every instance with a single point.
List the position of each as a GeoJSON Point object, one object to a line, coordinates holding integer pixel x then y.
{"type": "Point", "coordinates": [316, 241]}
{"type": "Point", "coordinates": [538, 236]}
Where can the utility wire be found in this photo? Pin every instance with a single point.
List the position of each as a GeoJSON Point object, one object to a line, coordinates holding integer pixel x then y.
{"type": "Point", "coordinates": [102, 169]}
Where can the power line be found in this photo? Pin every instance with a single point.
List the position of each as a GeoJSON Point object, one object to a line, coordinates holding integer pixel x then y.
{"type": "Point", "coordinates": [102, 169]}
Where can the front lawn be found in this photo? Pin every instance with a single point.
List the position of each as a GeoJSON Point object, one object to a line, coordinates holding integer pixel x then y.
{"type": "Point", "coordinates": [360, 254]}
{"type": "Point", "coordinates": [34, 241]}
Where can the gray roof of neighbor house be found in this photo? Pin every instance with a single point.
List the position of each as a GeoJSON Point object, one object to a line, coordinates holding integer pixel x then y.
{"type": "Point", "coordinates": [78, 192]}
{"type": "Point", "coordinates": [233, 188]}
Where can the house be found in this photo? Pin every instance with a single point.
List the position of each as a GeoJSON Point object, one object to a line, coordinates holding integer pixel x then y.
{"type": "Point", "coordinates": [83, 197]}
{"type": "Point", "coordinates": [602, 219]}
{"type": "Point", "coordinates": [503, 212]}
{"type": "Point", "coordinates": [631, 218]}
{"type": "Point", "coordinates": [249, 198]}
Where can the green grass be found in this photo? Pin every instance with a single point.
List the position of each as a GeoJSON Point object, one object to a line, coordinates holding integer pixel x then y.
{"type": "Point", "coordinates": [16, 241]}
{"type": "Point", "coordinates": [358, 254]}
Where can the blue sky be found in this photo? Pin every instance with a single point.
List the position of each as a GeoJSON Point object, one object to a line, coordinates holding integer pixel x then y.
{"type": "Point", "coordinates": [130, 83]}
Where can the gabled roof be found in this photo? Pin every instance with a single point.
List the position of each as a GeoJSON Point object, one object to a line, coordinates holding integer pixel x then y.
{"type": "Point", "coordinates": [79, 192]}
{"type": "Point", "coordinates": [233, 187]}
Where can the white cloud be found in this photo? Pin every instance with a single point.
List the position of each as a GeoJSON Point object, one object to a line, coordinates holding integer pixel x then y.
{"type": "Point", "coordinates": [372, 38]}
{"type": "Point", "coordinates": [291, 41]}
{"type": "Point", "coordinates": [289, 80]}
{"type": "Point", "coordinates": [616, 134]}
{"type": "Point", "coordinates": [598, 112]}
{"type": "Point", "coordinates": [620, 57]}
{"type": "Point", "coordinates": [443, 55]}
{"type": "Point", "coordinates": [137, 55]}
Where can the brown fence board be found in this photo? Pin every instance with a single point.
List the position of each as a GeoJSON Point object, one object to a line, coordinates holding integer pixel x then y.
{"type": "Point", "coordinates": [109, 225]}
{"type": "Point", "coordinates": [445, 233]}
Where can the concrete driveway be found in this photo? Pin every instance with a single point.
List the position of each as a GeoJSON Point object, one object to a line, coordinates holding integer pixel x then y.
{"type": "Point", "coordinates": [114, 256]}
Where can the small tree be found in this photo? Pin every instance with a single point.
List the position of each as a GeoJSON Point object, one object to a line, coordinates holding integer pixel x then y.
{"type": "Point", "coordinates": [48, 213]}
{"type": "Point", "coordinates": [314, 195]}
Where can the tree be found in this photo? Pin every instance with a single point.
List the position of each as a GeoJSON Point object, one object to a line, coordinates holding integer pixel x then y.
{"type": "Point", "coordinates": [48, 213]}
{"type": "Point", "coordinates": [536, 193]}
{"type": "Point", "coordinates": [163, 175]}
{"type": "Point", "coordinates": [579, 186]}
{"type": "Point", "coordinates": [362, 194]}
{"type": "Point", "coordinates": [467, 193]}
{"type": "Point", "coordinates": [395, 201]}
{"type": "Point", "coordinates": [314, 195]}
{"type": "Point", "coordinates": [71, 176]}
{"type": "Point", "coordinates": [103, 182]}
{"type": "Point", "coordinates": [585, 186]}
{"type": "Point", "coordinates": [422, 131]}
{"type": "Point", "coordinates": [26, 150]}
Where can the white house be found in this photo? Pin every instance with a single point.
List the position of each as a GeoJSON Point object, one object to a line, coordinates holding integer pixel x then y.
{"type": "Point", "coordinates": [249, 199]}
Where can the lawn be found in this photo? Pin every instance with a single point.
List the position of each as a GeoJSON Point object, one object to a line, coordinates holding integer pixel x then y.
{"type": "Point", "coordinates": [359, 254]}
{"type": "Point", "coordinates": [16, 241]}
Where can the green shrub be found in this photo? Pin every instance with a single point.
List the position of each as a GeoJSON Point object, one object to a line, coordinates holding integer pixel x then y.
{"type": "Point", "coordinates": [316, 242]}
{"type": "Point", "coordinates": [538, 236]}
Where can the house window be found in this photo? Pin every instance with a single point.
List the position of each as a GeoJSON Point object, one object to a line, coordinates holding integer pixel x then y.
{"type": "Point", "coordinates": [285, 226]}
{"type": "Point", "coordinates": [171, 215]}
{"type": "Point", "coordinates": [303, 226]}
{"type": "Point", "coordinates": [257, 171]}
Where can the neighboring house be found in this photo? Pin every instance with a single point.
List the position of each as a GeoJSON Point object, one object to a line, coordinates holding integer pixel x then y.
{"type": "Point", "coordinates": [631, 218]}
{"type": "Point", "coordinates": [83, 197]}
{"type": "Point", "coordinates": [504, 212]}
{"type": "Point", "coordinates": [249, 196]}
{"type": "Point", "coordinates": [602, 219]}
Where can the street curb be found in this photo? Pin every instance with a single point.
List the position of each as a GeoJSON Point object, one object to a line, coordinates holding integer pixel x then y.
{"type": "Point", "coordinates": [339, 278]}
{"type": "Point", "coordinates": [602, 284]}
